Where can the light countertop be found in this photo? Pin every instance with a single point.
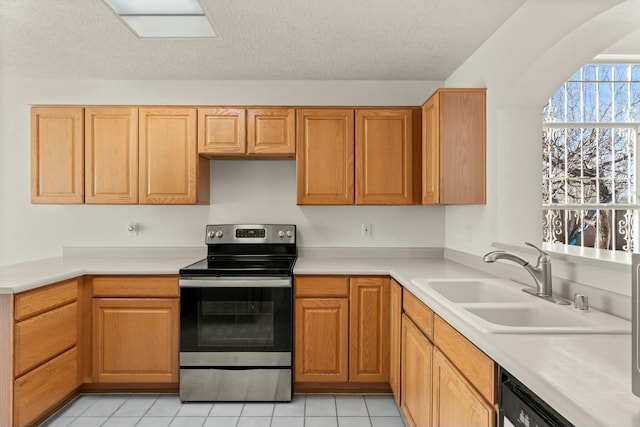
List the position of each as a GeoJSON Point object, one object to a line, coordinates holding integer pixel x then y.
{"type": "Point", "coordinates": [587, 378]}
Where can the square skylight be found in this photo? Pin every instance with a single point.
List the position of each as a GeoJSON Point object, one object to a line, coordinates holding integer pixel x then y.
{"type": "Point", "coordinates": [163, 18]}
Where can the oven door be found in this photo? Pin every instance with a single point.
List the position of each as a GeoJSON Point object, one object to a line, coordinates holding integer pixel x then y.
{"type": "Point", "coordinates": [227, 316]}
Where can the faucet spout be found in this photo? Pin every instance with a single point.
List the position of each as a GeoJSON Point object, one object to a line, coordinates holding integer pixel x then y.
{"type": "Point", "coordinates": [496, 255]}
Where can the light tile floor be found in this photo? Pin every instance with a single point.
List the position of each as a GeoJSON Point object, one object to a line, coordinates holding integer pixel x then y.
{"type": "Point", "coordinates": [161, 410]}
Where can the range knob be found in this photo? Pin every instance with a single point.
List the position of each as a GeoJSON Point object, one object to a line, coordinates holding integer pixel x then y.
{"type": "Point", "coordinates": [289, 233]}
{"type": "Point", "coordinates": [281, 234]}
{"type": "Point", "coordinates": [211, 234]}
{"type": "Point", "coordinates": [219, 234]}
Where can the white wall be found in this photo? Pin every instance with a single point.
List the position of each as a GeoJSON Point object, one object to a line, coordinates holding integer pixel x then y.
{"type": "Point", "coordinates": [251, 191]}
{"type": "Point", "coordinates": [522, 64]}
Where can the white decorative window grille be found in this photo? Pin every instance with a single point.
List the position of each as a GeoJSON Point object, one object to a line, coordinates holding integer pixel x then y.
{"type": "Point", "coordinates": [590, 129]}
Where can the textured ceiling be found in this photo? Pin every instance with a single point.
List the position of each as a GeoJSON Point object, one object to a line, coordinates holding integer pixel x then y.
{"type": "Point", "coordinates": [259, 40]}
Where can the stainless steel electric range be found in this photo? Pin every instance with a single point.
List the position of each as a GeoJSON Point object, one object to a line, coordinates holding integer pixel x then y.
{"type": "Point", "coordinates": [236, 317]}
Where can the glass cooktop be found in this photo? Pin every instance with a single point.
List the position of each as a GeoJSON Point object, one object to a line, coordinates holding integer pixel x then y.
{"type": "Point", "coordinates": [240, 266]}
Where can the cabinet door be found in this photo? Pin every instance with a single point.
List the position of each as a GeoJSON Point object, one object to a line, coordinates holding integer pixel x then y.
{"type": "Point", "coordinates": [395, 323]}
{"type": "Point", "coordinates": [221, 131]}
{"type": "Point", "coordinates": [455, 401]}
{"type": "Point", "coordinates": [325, 169]}
{"type": "Point", "coordinates": [271, 131]}
{"type": "Point", "coordinates": [135, 340]}
{"type": "Point", "coordinates": [57, 155]}
{"type": "Point", "coordinates": [385, 160]}
{"type": "Point", "coordinates": [111, 155]}
{"type": "Point", "coordinates": [369, 328]}
{"type": "Point", "coordinates": [417, 353]}
{"type": "Point", "coordinates": [168, 156]}
{"type": "Point", "coordinates": [462, 146]}
{"type": "Point", "coordinates": [431, 151]}
{"type": "Point", "coordinates": [321, 340]}
{"type": "Point", "coordinates": [454, 144]}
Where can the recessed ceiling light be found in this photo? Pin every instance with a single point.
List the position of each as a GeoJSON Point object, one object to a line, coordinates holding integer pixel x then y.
{"type": "Point", "coordinates": [163, 18]}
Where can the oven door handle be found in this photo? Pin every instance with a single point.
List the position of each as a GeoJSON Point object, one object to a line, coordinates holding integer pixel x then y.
{"type": "Point", "coordinates": [236, 282]}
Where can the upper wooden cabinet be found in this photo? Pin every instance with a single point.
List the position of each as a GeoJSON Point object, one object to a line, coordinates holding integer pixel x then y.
{"type": "Point", "coordinates": [271, 131]}
{"type": "Point", "coordinates": [111, 155]}
{"type": "Point", "coordinates": [57, 155]}
{"type": "Point", "coordinates": [325, 155]}
{"type": "Point", "coordinates": [260, 132]}
{"type": "Point", "coordinates": [170, 168]}
{"type": "Point", "coordinates": [221, 131]}
{"type": "Point", "coordinates": [116, 155]}
{"type": "Point", "coordinates": [453, 147]}
{"type": "Point", "coordinates": [364, 156]}
{"type": "Point", "coordinates": [387, 157]}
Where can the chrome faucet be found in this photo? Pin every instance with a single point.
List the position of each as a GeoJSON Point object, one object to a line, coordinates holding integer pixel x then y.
{"type": "Point", "coordinates": [541, 272]}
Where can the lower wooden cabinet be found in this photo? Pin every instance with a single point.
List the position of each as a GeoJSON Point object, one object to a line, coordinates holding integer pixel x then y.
{"type": "Point", "coordinates": [455, 401]}
{"type": "Point", "coordinates": [45, 387]}
{"type": "Point", "coordinates": [135, 330]}
{"type": "Point", "coordinates": [369, 328]}
{"type": "Point", "coordinates": [415, 380]}
{"type": "Point", "coordinates": [135, 340]}
{"type": "Point", "coordinates": [46, 351]}
{"type": "Point", "coordinates": [342, 331]}
{"type": "Point", "coordinates": [322, 340]}
{"type": "Point", "coordinates": [44, 336]}
{"type": "Point", "coordinates": [445, 380]}
{"type": "Point", "coordinates": [93, 333]}
{"type": "Point", "coordinates": [395, 331]}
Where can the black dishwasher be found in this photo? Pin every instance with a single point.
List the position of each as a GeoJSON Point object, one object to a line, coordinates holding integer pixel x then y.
{"type": "Point", "coordinates": [520, 407]}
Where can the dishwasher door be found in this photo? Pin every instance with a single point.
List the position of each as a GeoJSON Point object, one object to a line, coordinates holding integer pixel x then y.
{"type": "Point", "coordinates": [520, 407]}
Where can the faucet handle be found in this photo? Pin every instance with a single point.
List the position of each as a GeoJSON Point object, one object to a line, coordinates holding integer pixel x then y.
{"type": "Point", "coordinates": [542, 253]}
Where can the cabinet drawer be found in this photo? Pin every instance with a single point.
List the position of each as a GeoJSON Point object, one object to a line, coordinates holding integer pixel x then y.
{"type": "Point", "coordinates": [46, 386]}
{"type": "Point", "coordinates": [42, 337]}
{"type": "Point", "coordinates": [43, 299]}
{"type": "Point", "coordinates": [419, 313]}
{"type": "Point", "coordinates": [477, 367]}
{"type": "Point", "coordinates": [321, 286]}
{"type": "Point", "coordinates": [132, 286]}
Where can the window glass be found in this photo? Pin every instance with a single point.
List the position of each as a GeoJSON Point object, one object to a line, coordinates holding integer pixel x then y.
{"type": "Point", "coordinates": [590, 128]}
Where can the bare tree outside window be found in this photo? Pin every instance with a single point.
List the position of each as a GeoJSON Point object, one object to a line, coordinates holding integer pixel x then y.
{"type": "Point", "coordinates": [590, 126]}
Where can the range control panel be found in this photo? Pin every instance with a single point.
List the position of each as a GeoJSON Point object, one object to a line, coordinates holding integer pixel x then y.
{"type": "Point", "coordinates": [250, 233]}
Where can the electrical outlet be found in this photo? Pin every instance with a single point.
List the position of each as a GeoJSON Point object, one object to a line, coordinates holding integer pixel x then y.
{"type": "Point", "coordinates": [366, 230]}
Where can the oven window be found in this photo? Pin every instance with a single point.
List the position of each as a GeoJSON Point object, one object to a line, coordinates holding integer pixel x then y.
{"type": "Point", "coordinates": [236, 323]}
{"type": "Point", "coordinates": [236, 319]}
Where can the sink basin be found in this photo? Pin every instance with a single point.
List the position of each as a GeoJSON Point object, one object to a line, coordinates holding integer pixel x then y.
{"type": "Point", "coordinates": [529, 316]}
{"type": "Point", "coordinates": [499, 306]}
{"type": "Point", "coordinates": [472, 290]}
{"type": "Point", "coordinates": [535, 318]}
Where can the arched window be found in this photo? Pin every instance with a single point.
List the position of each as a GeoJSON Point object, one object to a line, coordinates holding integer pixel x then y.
{"type": "Point", "coordinates": [590, 129]}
